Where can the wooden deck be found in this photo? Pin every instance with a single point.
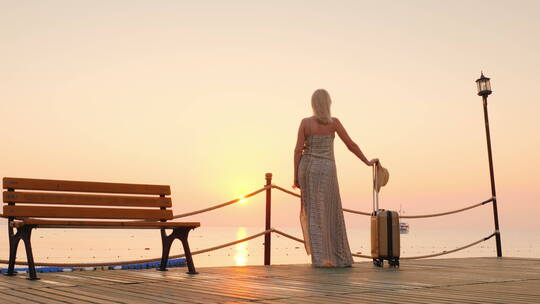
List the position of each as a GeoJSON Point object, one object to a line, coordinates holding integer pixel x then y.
{"type": "Point", "coordinates": [469, 280]}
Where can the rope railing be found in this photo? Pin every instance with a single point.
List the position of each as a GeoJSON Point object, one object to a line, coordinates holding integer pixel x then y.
{"type": "Point", "coordinates": [236, 200]}
{"type": "Point", "coordinates": [288, 236]}
{"type": "Point", "coordinates": [266, 232]}
{"type": "Point", "coordinates": [405, 258]}
{"type": "Point", "coordinates": [285, 190]}
{"type": "Point", "coordinates": [449, 212]}
{"type": "Point", "coordinates": [118, 263]}
{"type": "Point", "coordinates": [362, 256]}
{"type": "Point", "coordinates": [450, 251]}
{"type": "Point", "coordinates": [402, 216]}
{"type": "Point", "coordinates": [427, 215]}
{"type": "Point", "coordinates": [356, 212]}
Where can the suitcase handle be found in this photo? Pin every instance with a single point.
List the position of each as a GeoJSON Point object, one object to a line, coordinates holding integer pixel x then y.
{"type": "Point", "coordinates": [375, 192]}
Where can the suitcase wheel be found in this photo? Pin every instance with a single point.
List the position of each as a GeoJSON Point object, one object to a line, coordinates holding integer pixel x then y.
{"type": "Point", "coordinates": [393, 263]}
{"type": "Point", "coordinates": [378, 262]}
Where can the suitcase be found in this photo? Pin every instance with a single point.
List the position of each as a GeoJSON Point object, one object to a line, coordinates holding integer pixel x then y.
{"type": "Point", "coordinates": [385, 237]}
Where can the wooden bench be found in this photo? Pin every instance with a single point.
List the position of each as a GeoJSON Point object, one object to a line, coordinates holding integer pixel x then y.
{"type": "Point", "coordinates": [75, 204]}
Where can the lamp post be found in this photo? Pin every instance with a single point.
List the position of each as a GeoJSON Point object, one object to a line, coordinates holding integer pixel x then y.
{"type": "Point", "coordinates": [484, 90]}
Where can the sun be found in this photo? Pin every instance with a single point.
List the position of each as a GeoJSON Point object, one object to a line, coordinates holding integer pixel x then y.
{"type": "Point", "coordinates": [242, 200]}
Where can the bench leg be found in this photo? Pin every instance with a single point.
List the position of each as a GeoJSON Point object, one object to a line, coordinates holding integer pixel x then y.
{"type": "Point", "coordinates": [167, 240]}
{"type": "Point", "coordinates": [26, 233]}
{"type": "Point", "coordinates": [13, 245]}
{"type": "Point", "coordinates": [184, 238]}
{"type": "Point", "coordinates": [23, 233]}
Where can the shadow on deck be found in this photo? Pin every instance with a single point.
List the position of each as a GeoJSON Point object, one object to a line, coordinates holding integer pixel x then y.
{"type": "Point", "coordinates": [466, 280]}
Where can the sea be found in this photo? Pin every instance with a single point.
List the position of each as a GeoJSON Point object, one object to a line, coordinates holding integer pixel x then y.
{"type": "Point", "coordinates": [102, 245]}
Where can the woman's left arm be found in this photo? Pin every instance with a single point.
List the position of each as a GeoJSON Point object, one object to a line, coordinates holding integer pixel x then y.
{"type": "Point", "coordinates": [298, 152]}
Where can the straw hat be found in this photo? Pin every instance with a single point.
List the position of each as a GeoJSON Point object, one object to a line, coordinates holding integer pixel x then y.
{"type": "Point", "coordinates": [382, 177]}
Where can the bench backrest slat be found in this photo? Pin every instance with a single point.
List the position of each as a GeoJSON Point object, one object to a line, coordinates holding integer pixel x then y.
{"type": "Point", "coordinates": [85, 199]}
{"type": "Point", "coordinates": [25, 197]}
{"type": "Point", "coordinates": [76, 186]}
{"type": "Point", "coordinates": [94, 213]}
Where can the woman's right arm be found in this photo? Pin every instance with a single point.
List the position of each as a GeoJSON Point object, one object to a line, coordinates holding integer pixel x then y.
{"type": "Point", "coordinates": [351, 145]}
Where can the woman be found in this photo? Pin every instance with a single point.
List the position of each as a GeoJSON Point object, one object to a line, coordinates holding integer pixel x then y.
{"type": "Point", "coordinates": [321, 215]}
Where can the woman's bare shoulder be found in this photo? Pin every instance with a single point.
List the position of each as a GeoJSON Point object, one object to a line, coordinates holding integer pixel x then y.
{"type": "Point", "coordinates": [306, 120]}
{"type": "Point", "coordinates": [336, 122]}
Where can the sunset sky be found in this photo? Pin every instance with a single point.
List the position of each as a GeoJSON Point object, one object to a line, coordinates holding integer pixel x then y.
{"type": "Point", "coordinates": [207, 96]}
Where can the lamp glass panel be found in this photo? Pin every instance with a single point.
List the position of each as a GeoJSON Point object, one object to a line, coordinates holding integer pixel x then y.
{"type": "Point", "coordinates": [483, 85]}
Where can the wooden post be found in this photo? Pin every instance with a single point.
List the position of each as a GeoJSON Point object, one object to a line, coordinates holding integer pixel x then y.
{"type": "Point", "coordinates": [267, 237]}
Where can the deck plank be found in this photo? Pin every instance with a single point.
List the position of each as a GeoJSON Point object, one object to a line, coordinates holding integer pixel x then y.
{"type": "Point", "coordinates": [10, 298]}
{"type": "Point", "coordinates": [52, 296]}
{"type": "Point", "coordinates": [465, 280]}
{"type": "Point", "coordinates": [24, 294]}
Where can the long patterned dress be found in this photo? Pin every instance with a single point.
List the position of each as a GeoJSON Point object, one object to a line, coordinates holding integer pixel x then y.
{"type": "Point", "coordinates": [321, 215]}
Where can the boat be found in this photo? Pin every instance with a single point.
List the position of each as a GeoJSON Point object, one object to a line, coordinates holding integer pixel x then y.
{"type": "Point", "coordinates": [403, 227]}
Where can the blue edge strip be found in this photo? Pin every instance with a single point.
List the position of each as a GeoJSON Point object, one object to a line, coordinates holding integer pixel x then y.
{"type": "Point", "coordinates": [181, 262]}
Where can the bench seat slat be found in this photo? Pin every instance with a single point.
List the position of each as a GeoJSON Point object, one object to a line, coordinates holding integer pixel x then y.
{"type": "Point", "coordinates": [102, 224]}
{"type": "Point", "coordinates": [77, 186]}
{"type": "Point", "coordinates": [80, 212]}
{"type": "Point", "coordinates": [85, 199]}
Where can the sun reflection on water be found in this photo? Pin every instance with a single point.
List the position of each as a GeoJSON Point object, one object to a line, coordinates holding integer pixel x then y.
{"type": "Point", "coordinates": [241, 251]}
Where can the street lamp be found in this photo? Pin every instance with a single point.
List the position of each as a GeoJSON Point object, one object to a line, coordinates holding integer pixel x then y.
{"type": "Point", "coordinates": [484, 89]}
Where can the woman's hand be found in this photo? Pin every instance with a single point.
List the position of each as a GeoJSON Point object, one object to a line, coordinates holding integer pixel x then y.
{"type": "Point", "coordinates": [373, 162]}
{"type": "Point", "coordinates": [296, 184]}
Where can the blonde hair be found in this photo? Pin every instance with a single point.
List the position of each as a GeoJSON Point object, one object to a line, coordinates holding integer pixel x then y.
{"type": "Point", "coordinates": [320, 102]}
